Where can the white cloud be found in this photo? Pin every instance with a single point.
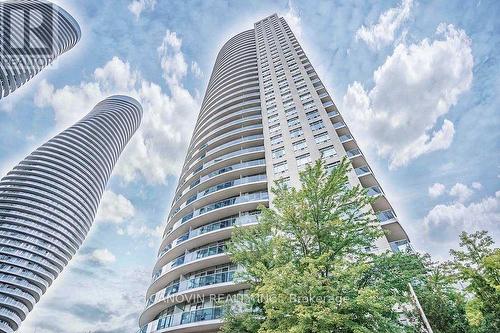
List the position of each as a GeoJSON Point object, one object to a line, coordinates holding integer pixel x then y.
{"type": "Point", "coordinates": [477, 185]}
{"type": "Point", "coordinates": [136, 7]}
{"type": "Point", "coordinates": [139, 230]}
{"type": "Point", "coordinates": [196, 70]}
{"type": "Point", "coordinates": [436, 190]}
{"type": "Point", "coordinates": [382, 33]}
{"type": "Point", "coordinates": [293, 19]}
{"type": "Point", "coordinates": [101, 299]}
{"type": "Point", "coordinates": [415, 87]}
{"type": "Point", "coordinates": [114, 208]}
{"type": "Point", "coordinates": [444, 222]}
{"type": "Point", "coordinates": [157, 148]}
{"type": "Point", "coordinates": [461, 192]}
{"type": "Point", "coordinates": [103, 256]}
{"type": "Point", "coordinates": [171, 58]}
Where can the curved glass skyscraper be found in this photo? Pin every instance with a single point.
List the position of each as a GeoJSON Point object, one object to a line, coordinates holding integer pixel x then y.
{"type": "Point", "coordinates": [265, 115]}
{"type": "Point", "coordinates": [34, 33]}
{"type": "Point", "coordinates": [49, 200]}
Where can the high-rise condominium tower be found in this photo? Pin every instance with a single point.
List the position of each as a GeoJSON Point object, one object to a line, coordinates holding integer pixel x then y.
{"type": "Point", "coordinates": [49, 200]}
{"type": "Point", "coordinates": [265, 115]}
{"type": "Point", "coordinates": [32, 34]}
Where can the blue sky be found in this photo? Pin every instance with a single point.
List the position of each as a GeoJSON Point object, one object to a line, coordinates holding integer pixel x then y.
{"type": "Point", "coordinates": [417, 82]}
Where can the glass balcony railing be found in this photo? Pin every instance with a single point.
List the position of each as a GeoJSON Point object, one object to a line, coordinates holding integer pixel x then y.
{"type": "Point", "coordinates": [338, 125]}
{"type": "Point", "coordinates": [8, 289]}
{"type": "Point", "coordinates": [201, 253]}
{"type": "Point", "coordinates": [332, 114]}
{"type": "Point", "coordinates": [346, 137]}
{"type": "Point", "coordinates": [197, 282]}
{"type": "Point", "coordinates": [374, 191]}
{"type": "Point", "coordinates": [188, 317]}
{"type": "Point", "coordinates": [224, 203]}
{"type": "Point", "coordinates": [10, 314]}
{"type": "Point", "coordinates": [222, 186]}
{"type": "Point", "coordinates": [232, 143]}
{"type": "Point", "coordinates": [231, 154]}
{"type": "Point", "coordinates": [221, 224]}
{"type": "Point", "coordinates": [19, 281]}
{"type": "Point", "coordinates": [362, 171]}
{"type": "Point", "coordinates": [13, 302]}
{"type": "Point", "coordinates": [386, 215]}
{"type": "Point", "coordinates": [400, 246]}
{"type": "Point", "coordinates": [353, 153]}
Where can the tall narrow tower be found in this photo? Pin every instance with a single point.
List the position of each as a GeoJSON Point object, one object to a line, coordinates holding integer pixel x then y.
{"type": "Point", "coordinates": [265, 115]}
{"type": "Point", "coordinates": [33, 33]}
{"type": "Point", "coordinates": [49, 200]}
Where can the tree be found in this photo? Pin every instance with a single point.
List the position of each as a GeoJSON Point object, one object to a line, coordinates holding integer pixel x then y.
{"type": "Point", "coordinates": [478, 267]}
{"type": "Point", "coordinates": [309, 267]}
{"type": "Point", "coordinates": [443, 303]}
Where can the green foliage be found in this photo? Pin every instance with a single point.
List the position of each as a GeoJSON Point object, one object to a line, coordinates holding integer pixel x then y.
{"type": "Point", "coordinates": [308, 266]}
{"type": "Point", "coordinates": [443, 304]}
{"type": "Point", "coordinates": [478, 267]}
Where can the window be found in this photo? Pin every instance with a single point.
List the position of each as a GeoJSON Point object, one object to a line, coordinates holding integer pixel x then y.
{"type": "Point", "coordinates": [273, 118]}
{"type": "Point", "coordinates": [278, 153]}
{"type": "Point", "coordinates": [317, 125]}
{"type": "Point", "coordinates": [285, 182]}
{"type": "Point", "coordinates": [311, 115]}
{"type": "Point", "coordinates": [287, 103]}
{"type": "Point", "coordinates": [275, 128]}
{"type": "Point", "coordinates": [290, 112]}
{"type": "Point", "coordinates": [320, 138]}
{"type": "Point", "coordinates": [280, 167]}
{"type": "Point", "coordinates": [303, 160]}
{"type": "Point", "coordinates": [293, 122]}
{"type": "Point", "coordinates": [277, 139]}
{"type": "Point", "coordinates": [299, 145]}
{"type": "Point", "coordinates": [327, 152]}
{"type": "Point", "coordinates": [305, 97]}
{"type": "Point", "coordinates": [296, 133]}
{"type": "Point", "coordinates": [309, 105]}
{"type": "Point", "coordinates": [272, 110]}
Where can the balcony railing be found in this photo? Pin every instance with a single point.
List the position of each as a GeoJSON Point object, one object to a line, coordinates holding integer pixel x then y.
{"type": "Point", "coordinates": [222, 224]}
{"type": "Point", "coordinates": [197, 282]}
{"type": "Point", "coordinates": [204, 252]}
{"type": "Point", "coordinates": [362, 171]}
{"type": "Point", "coordinates": [224, 203]}
{"type": "Point", "coordinates": [386, 215]}
{"type": "Point", "coordinates": [353, 153]}
{"type": "Point", "coordinates": [374, 191]}
{"type": "Point", "coordinates": [346, 137]}
{"type": "Point", "coordinates": [187, 317]}
{"type": "Point", "coordinates": [222, 186]}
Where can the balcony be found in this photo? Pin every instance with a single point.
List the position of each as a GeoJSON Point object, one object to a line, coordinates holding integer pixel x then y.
{"type": "Point", "coordinates": [204, 252]}
{"type": "Point", "coordinates": [363, 171]}
{"type": "Point", "coordinates": [214, 226]}
{"type": "Point", "coordinates": [374, 191]}
{"type": "Point", "coordinates": [386, 216]}
{"type": "Point", "coordinates": [345, 138]}
{"type": "Point", "coordinates": [328, 104]}
{"type": "Point", "coordinates": [400, 246]}
{"type": "Point", "coordinates": [353, 153]}
{"type": "Point", "coordinates": [184, 318]}
{"type": "Point", "coordinates": [332, 114]}
{"type": "Point", "coordinates": [177, 288]}
{"type": "Point", "coordinates": [338, 125]}
{"type": "Point", "coordinates": [257, 196]}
